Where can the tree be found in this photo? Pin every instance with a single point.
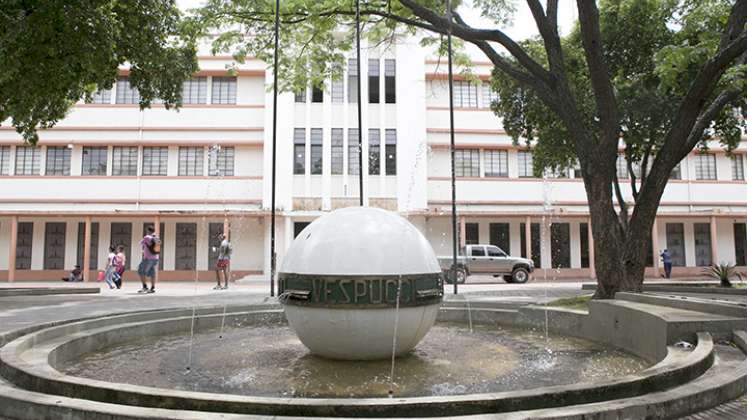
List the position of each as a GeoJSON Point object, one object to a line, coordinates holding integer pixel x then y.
{"type": "Point", "coordinates": [662, 76]}
{"type": "Point", "coordinates": [55, 52]}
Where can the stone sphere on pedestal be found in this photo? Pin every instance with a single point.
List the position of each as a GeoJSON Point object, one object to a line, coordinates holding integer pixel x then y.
{"type": "Point", "coordinates": [350, 275]}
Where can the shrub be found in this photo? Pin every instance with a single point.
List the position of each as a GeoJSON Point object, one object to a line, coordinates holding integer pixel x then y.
{"type": "Point", "coordinates": [722, 272]}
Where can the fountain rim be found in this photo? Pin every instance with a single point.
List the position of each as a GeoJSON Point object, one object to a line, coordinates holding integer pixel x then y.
{"type": "Point", "coordinates": [693, 363]}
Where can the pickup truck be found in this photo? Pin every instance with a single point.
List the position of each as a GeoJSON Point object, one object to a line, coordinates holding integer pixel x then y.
{"type": "Point", "coordinates": [486, 259]}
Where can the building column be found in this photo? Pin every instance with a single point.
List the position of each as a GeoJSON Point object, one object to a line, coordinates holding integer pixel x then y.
{"type": "Point", "coordinates": [12, 249]}
{"type": "Point", "coordinates": [87, 250]}
{"type": "Point", "coordinates": [655, 244]}
{"type": "Point", "coordinates": [226, 228]}
{"type": "Point", "coordinates": [714, 244]}
{"type": "Point", "coordinates": [528, 236]}
{"type": "Point", "coordinates": [592, 267]}
{"type": "Point", "coordinates": [462, 232]}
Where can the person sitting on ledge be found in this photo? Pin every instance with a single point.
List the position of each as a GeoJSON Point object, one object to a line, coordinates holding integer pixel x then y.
{"type": "Point", "coordinates": [75, 275]}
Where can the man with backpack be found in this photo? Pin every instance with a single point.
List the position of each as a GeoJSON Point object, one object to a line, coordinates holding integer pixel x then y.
{"type": "Point", "coordinates": [151, 246]}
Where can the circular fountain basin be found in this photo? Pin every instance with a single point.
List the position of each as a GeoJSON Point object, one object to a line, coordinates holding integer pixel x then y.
{"type": "Point", "coordinates": [360, 284]}
{"type": "Point", "coordinates": [249, 362]}
{"type": "Point", "coordinates": [269, 361]}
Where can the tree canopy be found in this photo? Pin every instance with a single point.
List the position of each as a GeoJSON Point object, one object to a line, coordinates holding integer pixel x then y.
{"type": "Point", "coordinates": [55, 52]}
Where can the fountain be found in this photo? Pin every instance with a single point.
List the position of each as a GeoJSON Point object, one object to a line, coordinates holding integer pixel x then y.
{"type": "Point", "coordinates": [357, 280]}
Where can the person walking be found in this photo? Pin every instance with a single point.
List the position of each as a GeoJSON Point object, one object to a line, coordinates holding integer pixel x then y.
{"type": "Point", "coordinates": [151, 247]}
{"type": "Point", "coordinates": [119, 266]}
{"type": "Point", "coordinates": [666, 258]}
{"type": "Point", "coordinates": [223, 263]}
{"type": "Point", "coordinates": [110, 267]}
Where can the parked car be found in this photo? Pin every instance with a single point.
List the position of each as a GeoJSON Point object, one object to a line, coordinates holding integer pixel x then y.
{"type": "Point", "coordinates": [486, 259]}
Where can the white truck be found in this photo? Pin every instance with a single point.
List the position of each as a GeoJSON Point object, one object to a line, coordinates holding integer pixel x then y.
{"type": "Point", "coordinates": [486, 259]}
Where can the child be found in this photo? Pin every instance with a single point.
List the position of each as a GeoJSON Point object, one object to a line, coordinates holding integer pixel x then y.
{"type": "Point", "coordinates": [119, 263]}
{"type": "Point", "coordinates": [110, 268]}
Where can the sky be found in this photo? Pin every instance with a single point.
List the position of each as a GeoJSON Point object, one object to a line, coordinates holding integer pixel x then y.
{"type": "Point", "coordinates": [523, 23]}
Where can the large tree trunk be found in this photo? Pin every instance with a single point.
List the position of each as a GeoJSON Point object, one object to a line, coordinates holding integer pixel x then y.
{"type": "Point", "coordinates": [620, 251]}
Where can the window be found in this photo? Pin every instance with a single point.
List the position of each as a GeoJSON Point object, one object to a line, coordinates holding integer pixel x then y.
{"type": "Point", "coordinates": [94, 160]}
{"type": "Point", "coordinates": [299, 151]}
{"type": "Point", "coordinates": [186, 246]}
{"type": "Point", "coordinates": [300, 97]}
{"type": "Point", "coordinates": [27, 160]}
{"type": "Point", "coordinates": [477, 251]}
{"type": "Point", "coordinates": [391, 152]}
{"type": "Point", "coordinates": [191, 161]}
{"type": "Point", "coordinates": [496, 163]}
{"type": "Point", "coordinates": [467, 162]}
{"type": "Point", "coordinates": [54, 245]}
{"type": "Point", "coordinates": [488, 95]}
{"type": "Point", "coordinates": [155, 161]}
{"type": "Point", "coordinates": [737, 168]}
{"type": "Point", "coordinates": [373, 81]}
{"type": "Point", "coordinates": [337, 151]}
{"type": "Point", "coordinates": [194, 91]}
{"type": "Point", "coordinates": [224, 90]}
{"type": "Point", "coordinates": [560, 245]}
{"type": "Point", "coordinates": [390, 85]}
{"type": "Point", "coordinates": [500, 235]}
{"type": "Point", "coordinates": [24, 242]}
{"type": "Point", "coordinates": [583, 230]}
{"type": "Point", "coordinates": [526, 164]}
{"type": "Point", "coordinates": [465, 94]}
{"type": "Point", "coordinates": [740, 243]}
{"type": "Point", "coordinates": [94, 264]}
{"type": "Point", "coordinates": [622, 167]}
{"type": "Point", "coordinates": [494, 251]}
{"type": "Point", "coordinates": [4, 160]}
{"type": "Point", "coordinates": [352, 80]}
{"type": "Point", "coordinates": [316, 151]}
{"type": "Point", "coordinates": [535, 244]}
{"type": "Point", "coordinates": [702, 233]}
{"type": "Point", "coordinates": [221, 161]}
{"type": "Point", "coordinates": [353, 152]}
{"type": "Point", "coordinates": [676, 172]}
{"type": "Point", "coordinates": [374, 151]}
{"type": "Point", "coordinates": [126, 94]}
{"type": "Point", "coordinates": [102, 97]}
{"type": "Point", "coordinates": [471, 233]}
{"type": "Point", "coordinates": [121, 234]}
{"type": "Point", "coordinates": [298, 227]}
{"type": "Point", "coordinates": [676, 243]}
{"type": "Point", "coordinates": [58, 161]}
{"type": "Point", "coordinates": [124, 161]}
{"type": "Point", "coordinates": [338, 91]}
{"type": "Point", "coordinates": [161, 232]}
{"type": "Point", "coordinates": [705, 166]}
{"type": "Point", "coordinates": [317, 94]}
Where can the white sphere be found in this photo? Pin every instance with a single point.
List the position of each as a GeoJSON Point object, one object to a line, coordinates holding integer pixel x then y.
{"type": "Point", "coordinates": [362, 246]}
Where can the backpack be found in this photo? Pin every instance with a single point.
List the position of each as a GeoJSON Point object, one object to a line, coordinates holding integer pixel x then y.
{"type": "Point", "coordinates": [154, 246]}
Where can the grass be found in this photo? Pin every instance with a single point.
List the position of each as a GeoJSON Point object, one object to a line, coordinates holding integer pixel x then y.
{"type": "Point", "coordinates": [577, 302]}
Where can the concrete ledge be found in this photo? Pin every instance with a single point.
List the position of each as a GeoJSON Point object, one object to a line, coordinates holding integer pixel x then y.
{"type": "Point", "coordinates": [690, 287]}
{"type": "Point", "coordinates": [40, 291]}
{"type": "Point", "coordinates": [31, 370]}
{"type": "Point", "coordinates": [690, 304]}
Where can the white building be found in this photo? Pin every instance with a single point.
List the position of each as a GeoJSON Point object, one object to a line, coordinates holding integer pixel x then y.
{"type": "Point", "coordinates": [109, 169]}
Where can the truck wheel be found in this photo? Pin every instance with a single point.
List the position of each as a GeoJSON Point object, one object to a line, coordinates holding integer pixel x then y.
{"type": "Point", "coordinates": [519, 275]}
{"type": "Point", "coordinates": [459, 273]}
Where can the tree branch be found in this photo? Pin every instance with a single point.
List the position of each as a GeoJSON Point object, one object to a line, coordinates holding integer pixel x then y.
{"type": "Point", "coordinates": [471, 34]}
{"type": "Point", "coordinates": [549, 31]}
{"type": "Point", "coordinates": [604, 95]}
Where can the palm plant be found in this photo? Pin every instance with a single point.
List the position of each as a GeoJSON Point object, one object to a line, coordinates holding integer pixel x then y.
{"type": "Point", "coordinates": [722, 272]}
